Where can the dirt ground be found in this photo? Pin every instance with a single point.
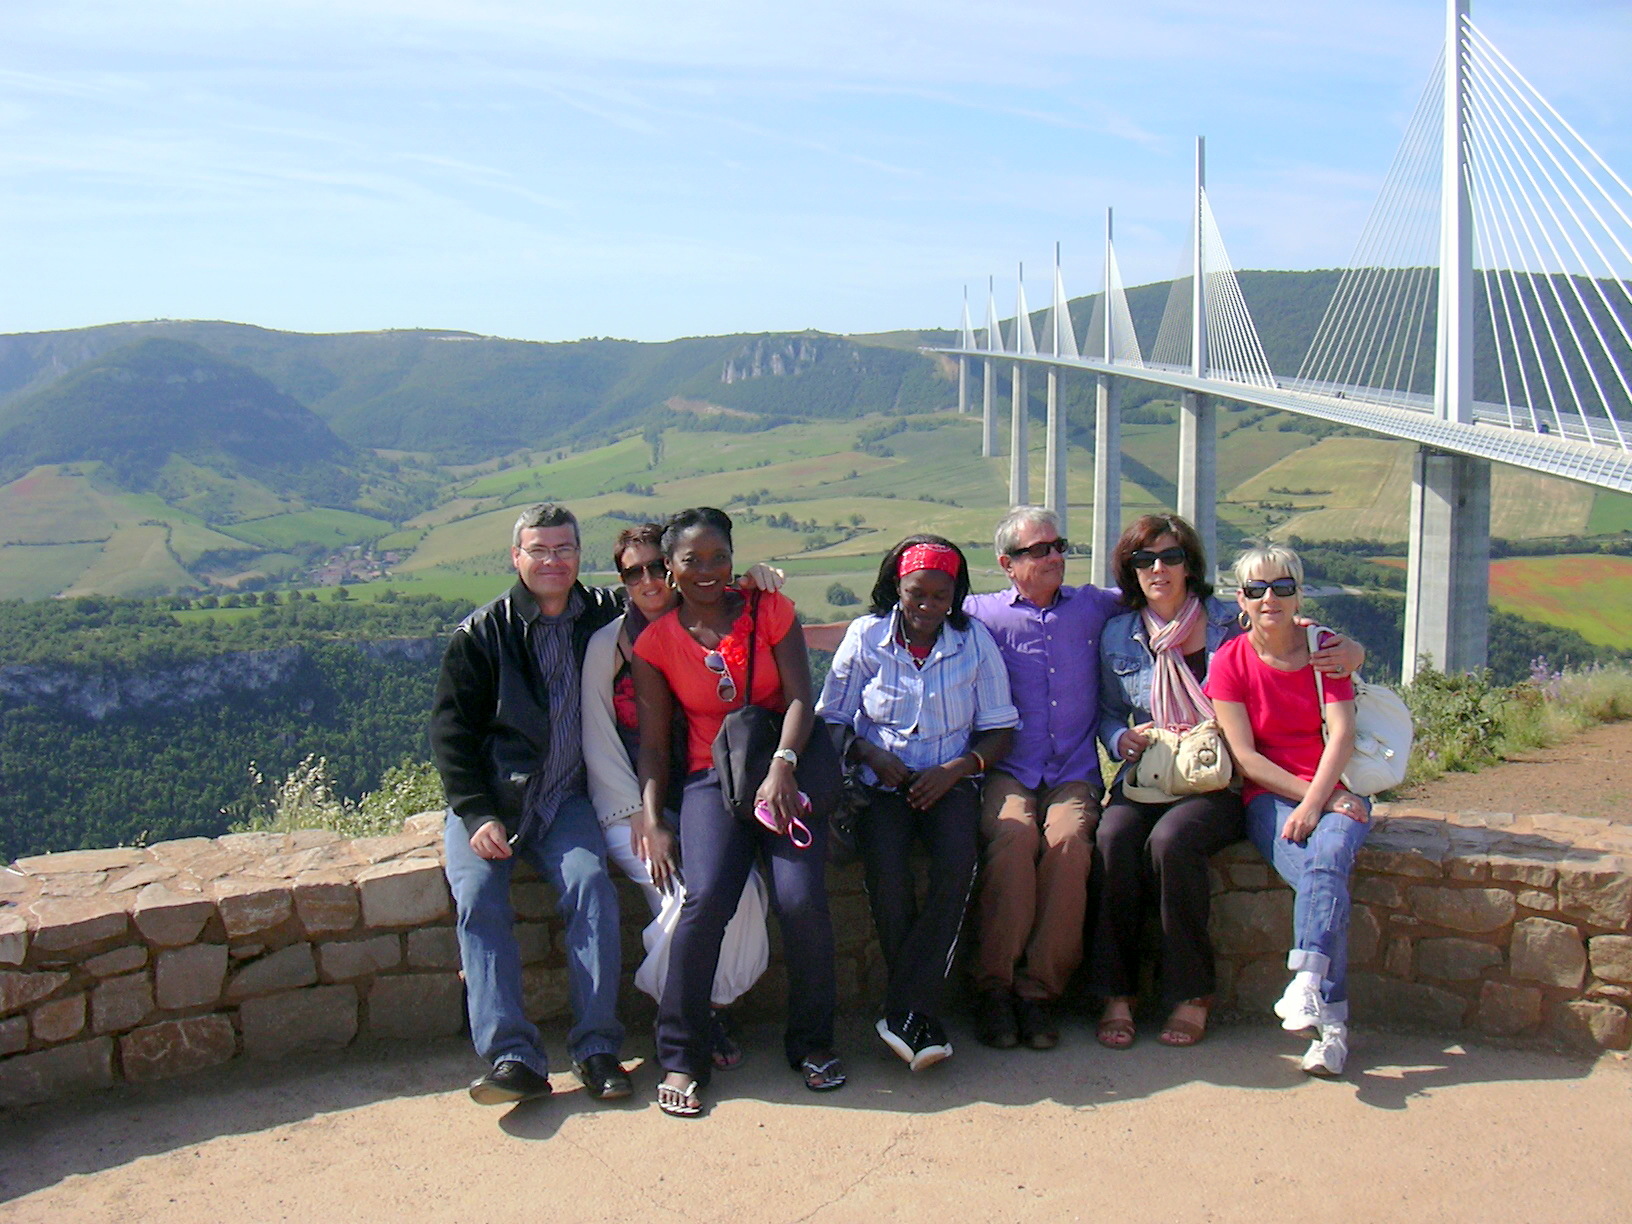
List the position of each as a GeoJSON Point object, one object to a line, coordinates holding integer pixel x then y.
{"type": "Point", "coordinates": [1421, 1129]}
{"type": "Point", "coordinates": [1590, 775]}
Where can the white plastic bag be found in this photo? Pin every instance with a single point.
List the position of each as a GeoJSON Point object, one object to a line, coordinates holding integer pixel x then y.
{"type": "Point", "coordinates": [744, 951]}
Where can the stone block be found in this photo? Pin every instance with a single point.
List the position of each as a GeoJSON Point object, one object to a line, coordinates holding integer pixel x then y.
{"type": "Point", "coordinates": [532, 900]}
{"type": "Point", "coordinates": [284, 969]}
{"type": "Point", "coordinates": [1258, 984]}
{"type": "Point", "coordinates": [176, 1047]}
{"type": "Point", "coordinates": [1518, 869]}
{"type": "Point", "coordinates": [1249, 875]}
{"type": "Point", "coordinates": [120, 960]}
{"type": "Point", "coordinates": [1245, 923]}
{"type": "Point", "coordinates": [1414, 1004]}
{"type": "Point", "coordinates": [243, 952]}
{"type": "Point", "coordinates": [358, 957]}
{"type": "Point", "coordinates": [533, 941]}
{"type": "Point", "coordinates": [544, 993]}
{"type": "Point", "coordinates": [422, 823]}
{"type": "Point", "coordinates": [1467, 867]}
{"type": "Point", "coordinates": [409, 1006]}
{"type": "Point", "coordinates": [1397, 963]}
{"type": "Point", "coordinates": [1508, 1011]}
{"type": "Point", "coordinates": [168, 918]}
{"type": "Point", "coordinates": [253, 845]}
{"type": "Point", "coordinates": [18, 990]}
{"type": "Point", "coordinates": [1599, 891]}
{"type": "Point", "coordinates": [77, 1067]}
{"type": "Point", "coordinates": [1475, 910]}
{"type": "Point", "coordinates": [1531, 898]}
{"type": "Point", "coordinates": [1456, 960]}
{"type": "Point", "coordinates": [190, 976]}
{"type": "Point", "coordinates": [136, 877]}
{"type": "Point", "coordinates": [66, 861]}
{"type": "Point", "coordinates": [59, 1019]}
{"type": "Point", "coordinates": [1364, 935]}
{"type": "Point", "coordinates": [250, 907]}
{"type": "Point", "coordinates": [121, 1003]}
{"type": "Point", "coordinates": [1379, 890]}
{"type": "Point", "coordinates": [13, 1035]}
{"type": "Point", "coordinates": [1611, 957]}
{"type": "Point", "coordinates": [413, 892]}
{"type": "Point", "coordinates": [315, 1018]}
{"type": "Point", "coordinates": [326, 907]}
{"type": "Point", "coordinates": [13, 939]}
{"type": "Point", "coordinates": [433, 948]}
{"type": "Point", "coordinates": [1592, 1024]}
{"type": "Point", "coordinates": [1548, 952]}
{"type": "Point", "coordinates": [1598, 989]}
{"type": "Point", "coordinates": [1381, 860]}
{"type": "Point", "coordinates": [71, 924]}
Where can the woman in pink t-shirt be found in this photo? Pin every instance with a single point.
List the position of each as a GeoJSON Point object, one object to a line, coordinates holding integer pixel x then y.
{"type": "Point", "coordinates": [1299, 815]}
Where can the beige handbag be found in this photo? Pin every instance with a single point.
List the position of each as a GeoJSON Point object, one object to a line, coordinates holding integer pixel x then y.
{"type": "Point", "coordinates": [1175, 764]}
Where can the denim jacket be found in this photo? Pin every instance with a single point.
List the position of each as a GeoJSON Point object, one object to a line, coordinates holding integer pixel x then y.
{"type": "Point", "coordinates": [1126, 667]}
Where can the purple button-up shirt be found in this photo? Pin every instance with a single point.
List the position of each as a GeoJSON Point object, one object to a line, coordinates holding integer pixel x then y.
{"type": "Point", "coordinates": [1052, 655]}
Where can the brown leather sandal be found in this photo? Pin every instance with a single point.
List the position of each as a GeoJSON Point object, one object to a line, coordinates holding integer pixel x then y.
{"type": "Point", "coordinates": [1117, 1032]}
{"type": "Point", "coordinates": [1182, 1033]}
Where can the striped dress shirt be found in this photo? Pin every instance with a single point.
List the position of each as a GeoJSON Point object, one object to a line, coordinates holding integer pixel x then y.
{"type": "Point", "coordinates": [927, 715]}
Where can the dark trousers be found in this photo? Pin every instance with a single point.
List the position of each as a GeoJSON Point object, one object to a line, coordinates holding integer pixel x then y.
{"type": "Point", "coordinates": [1160, 851]}
{"type": "Point", "coordinates": [919, 941]}
{"type": "Point", "coordinates": [716, 853]}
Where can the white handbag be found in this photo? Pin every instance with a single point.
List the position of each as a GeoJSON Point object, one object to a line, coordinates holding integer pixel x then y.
{"type": "Point", "coordinates": [1383, 732]}
{"type": "Point", "coordinates": [1179, 763]}
{"type": "Point", "coordinates": [745, 950]}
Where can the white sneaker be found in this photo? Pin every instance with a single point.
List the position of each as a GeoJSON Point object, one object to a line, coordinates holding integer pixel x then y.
{"type": "Point", "coordinates": [1329, 1051]}
{"type": "Point", "coordinates": [1302, 1006]}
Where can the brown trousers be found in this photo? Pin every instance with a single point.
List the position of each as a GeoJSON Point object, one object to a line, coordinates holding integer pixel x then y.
{"type": "Point", "coordinates": [1034, 886]}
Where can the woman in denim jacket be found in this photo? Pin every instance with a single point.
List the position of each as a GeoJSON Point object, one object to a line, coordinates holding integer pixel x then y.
{"type": "Point", "coordinates": [1156, 657]}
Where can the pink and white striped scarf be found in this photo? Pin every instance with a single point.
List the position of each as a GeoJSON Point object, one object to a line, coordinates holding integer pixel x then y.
{"type": "Point", "coordinates": [1176, 698]}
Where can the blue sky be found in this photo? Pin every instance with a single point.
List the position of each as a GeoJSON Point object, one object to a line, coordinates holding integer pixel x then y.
{"type": "Point", "coordinates": [549, 171]}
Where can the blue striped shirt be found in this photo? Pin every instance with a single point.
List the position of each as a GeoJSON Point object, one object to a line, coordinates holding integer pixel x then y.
{"type": "Point", "coordinates": [925, 716]}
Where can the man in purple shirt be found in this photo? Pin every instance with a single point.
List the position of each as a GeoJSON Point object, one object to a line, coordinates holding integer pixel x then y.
{"type": "Point", "coordinates": [1040, 806]}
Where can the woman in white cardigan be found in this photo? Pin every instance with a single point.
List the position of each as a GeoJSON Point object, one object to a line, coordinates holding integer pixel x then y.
{"type": "Point", "coordinates": [610, 729]}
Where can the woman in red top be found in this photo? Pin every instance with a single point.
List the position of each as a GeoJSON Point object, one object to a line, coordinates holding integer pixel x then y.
{"type": "Point", "coordinates": [1299, 815]}
{"type": "Point", "coordinates": [697, 656]}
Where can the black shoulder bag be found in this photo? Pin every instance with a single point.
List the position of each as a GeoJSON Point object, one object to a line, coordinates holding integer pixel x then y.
{"type": "Point", "coordinates": [751, 733]}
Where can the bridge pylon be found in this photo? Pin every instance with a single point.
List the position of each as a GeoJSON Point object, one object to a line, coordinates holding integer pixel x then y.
{"type": "Point", "coordinates": [988, 382]}
{"type": "Point", "coordinates": [1107, 432]}
{"type": "Point", "coordinates": [1447, 593]}
{"type": "Point", "coordinates": [1198, 414]}
{"type": "Point", "coordinates": [1025, 344]}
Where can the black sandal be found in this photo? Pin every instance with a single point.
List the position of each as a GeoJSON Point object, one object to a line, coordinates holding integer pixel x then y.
{"type": "Point", "coordinates": [823, 1071]}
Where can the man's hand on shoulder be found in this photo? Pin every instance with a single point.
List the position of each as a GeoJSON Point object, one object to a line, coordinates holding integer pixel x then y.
{"type": "Point", "coordinates": [490, 842]}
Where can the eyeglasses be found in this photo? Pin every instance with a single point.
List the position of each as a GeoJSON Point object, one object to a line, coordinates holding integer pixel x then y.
{"type": "Point", "coordinates": [1143, 558]}
{"type": "Point", "coordinates": [655, 570]}
{"type": "Point", "coordinates": [715, 662]}
{"type": "Point", "coordinates": [561, 552]}
{"type": "Point", "coordinates": [1040, 550]}
{"type": "Point", "coordinates": [1284, 588]}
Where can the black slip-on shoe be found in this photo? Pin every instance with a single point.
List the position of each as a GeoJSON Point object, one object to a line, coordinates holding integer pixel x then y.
{"type": "Point", "coordinates": [508, 1083]}
{"type": "Point", "coordinates": [994, 1019]}
{"type": "Point", "coordinates": [603, 1077]}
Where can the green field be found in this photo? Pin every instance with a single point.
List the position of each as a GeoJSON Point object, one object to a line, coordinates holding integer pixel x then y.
{"type": "Point", "coordinates": [328, 528]}
{"type": "Point", "coordinates": [1589, 594]}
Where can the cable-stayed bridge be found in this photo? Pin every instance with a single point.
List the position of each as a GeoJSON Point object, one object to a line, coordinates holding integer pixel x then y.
{"type": "Point", "coordinates": [1496, 222]}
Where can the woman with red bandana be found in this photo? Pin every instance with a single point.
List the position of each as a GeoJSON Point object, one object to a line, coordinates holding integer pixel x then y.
{"type": "Point", "coordinates": [926, 695]}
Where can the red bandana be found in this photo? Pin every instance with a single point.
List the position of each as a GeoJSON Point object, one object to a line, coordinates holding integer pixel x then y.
{"type": "Point", "coordinates": [928, 557]}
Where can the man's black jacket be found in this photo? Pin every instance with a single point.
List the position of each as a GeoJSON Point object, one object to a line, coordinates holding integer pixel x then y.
{"type": "Point", "coordinates": [490, 719]}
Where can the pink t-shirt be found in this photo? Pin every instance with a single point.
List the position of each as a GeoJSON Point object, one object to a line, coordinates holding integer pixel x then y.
{"type": "Point", "coordinates": [1281, 706]}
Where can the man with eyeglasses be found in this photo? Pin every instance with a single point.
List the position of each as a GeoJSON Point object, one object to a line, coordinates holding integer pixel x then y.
{"type": "Point", "coordinates": [1040, 806]}
{"type": "Point", "coordinates": [505, 731]}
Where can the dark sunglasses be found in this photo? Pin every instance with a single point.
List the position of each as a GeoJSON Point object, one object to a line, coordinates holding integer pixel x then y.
{"type": "Point", "coordinates": [1284, 588]}
{"type": "Point", "coordinates": [1038, 551]}
{"type": "Point", "coordinates": [1143, 558]}
{"type": "Point", "coordinates": [652, 569]}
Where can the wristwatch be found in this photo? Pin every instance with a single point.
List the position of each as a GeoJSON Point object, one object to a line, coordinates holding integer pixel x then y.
{"type": "Point", "coordinates": [788, 755]}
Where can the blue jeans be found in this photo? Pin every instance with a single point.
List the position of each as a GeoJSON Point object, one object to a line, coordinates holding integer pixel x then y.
{"type": "Point", "coordinates": [571, 855]}
{"type": "Point", "coordinates": [1318, 872]}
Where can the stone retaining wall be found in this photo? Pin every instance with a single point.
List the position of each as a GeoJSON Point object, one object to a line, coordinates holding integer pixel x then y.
{"type": "Point", "coordinates": [139, 964]}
